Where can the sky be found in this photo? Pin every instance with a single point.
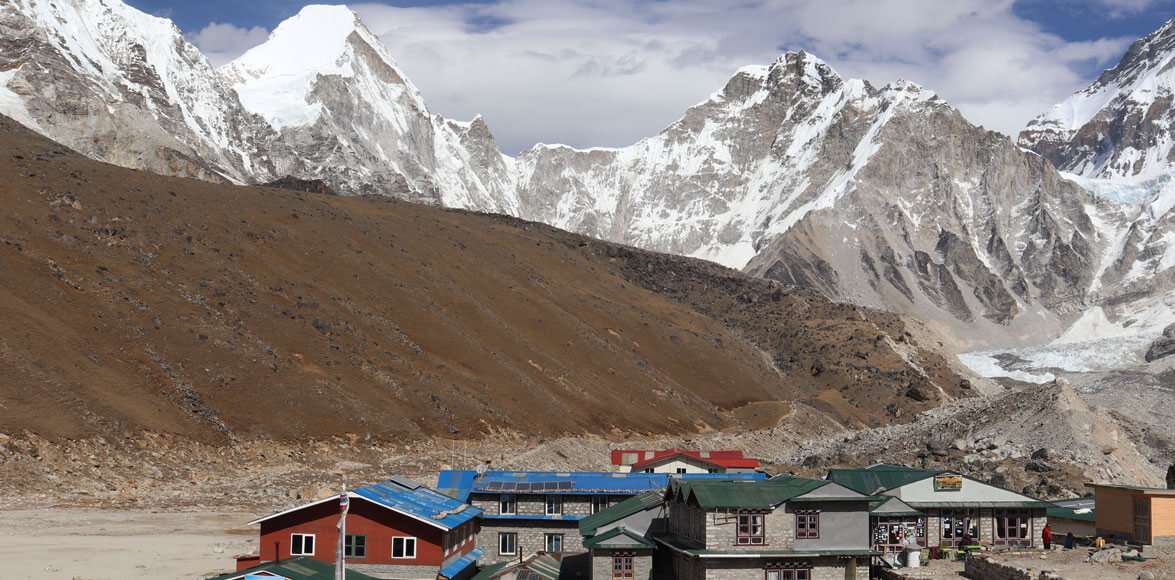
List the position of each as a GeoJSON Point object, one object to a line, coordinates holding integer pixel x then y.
{"type": "Point", "coordinates": [609, 72]}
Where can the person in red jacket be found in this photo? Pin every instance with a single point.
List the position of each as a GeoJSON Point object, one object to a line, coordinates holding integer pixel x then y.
{"type": "Point", "coordinates": [1047, 535]}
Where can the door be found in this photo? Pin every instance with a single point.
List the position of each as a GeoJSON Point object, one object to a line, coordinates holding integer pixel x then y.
{"type": "Point", "coordinates": [1142, 519]}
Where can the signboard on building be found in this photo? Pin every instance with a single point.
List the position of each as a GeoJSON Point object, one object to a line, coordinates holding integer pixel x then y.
{"type": "Point", "coordinates": [948, 482]}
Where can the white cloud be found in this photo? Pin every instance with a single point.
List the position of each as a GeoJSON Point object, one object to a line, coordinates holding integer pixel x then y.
{"type": "Point", "coordinates": [223, 42]}
{"type": "Point", "coordinates": [608, 72]}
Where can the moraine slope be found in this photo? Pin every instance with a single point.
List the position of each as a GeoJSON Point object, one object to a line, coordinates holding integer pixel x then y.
{"type": "Point", "coordinates": [212, 311]}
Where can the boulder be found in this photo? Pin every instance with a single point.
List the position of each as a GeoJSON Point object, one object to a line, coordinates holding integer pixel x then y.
{"type": "Point", "coordinates": [1106, 556]}
{"type": "Point", "coordinates": [1162, 347]}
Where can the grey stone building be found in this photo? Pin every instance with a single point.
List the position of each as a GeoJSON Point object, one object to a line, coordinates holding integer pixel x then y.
{"type": "Point", "coordinates": [528, 512]}
{"type": "Point", "coordinates": [786, 528]}
{"type": "Point", "coordinates": [936, 508]}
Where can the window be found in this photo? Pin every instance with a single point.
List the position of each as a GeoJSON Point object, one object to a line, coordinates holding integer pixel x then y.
{"type": "Point", "coordinates": [788, 574]}
{"type": "Point", "coordinates": [599, 503]}
{"type": "Point", "coordinates": [648, 470]}
{"type": "Point", "coordinates": [957, 524]}
{"type": "Point", "coordinates": [750, 529]}
{"type": "Point", "coordinates": [355, 546]}
{"type": "Point", "coordinates": [301, 544]}
{"type": "Point", "coordinates": [622, 566]}
{"type": "Point", "coordinates": [682, 471]}
{"type": "Point", "coordinates": [554, 505]}
{"type": "Point", "coordinates": [1013, 527]}
{"type": "Point", "coordinates": [807, 524]}
{"type": "Point", "coordinates": [508, 505]}
{"type": "Point", "coordinates": [554, 543]}
{"type": "Point", "coordinates": [507, 543]}
{"type": "Point", "coordinates": [404, 548]}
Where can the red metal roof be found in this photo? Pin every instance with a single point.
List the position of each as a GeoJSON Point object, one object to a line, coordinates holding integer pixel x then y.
{"type": "Point", "coordinates": [638, 458]}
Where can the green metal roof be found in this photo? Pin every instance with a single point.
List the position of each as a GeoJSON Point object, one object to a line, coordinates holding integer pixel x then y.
{"type": "Point", "coordinates": [979, 504]}
{"type": "Point", "coordinates": [628, 507]}
{"type": "Point", "coordinates": [764, 494]}
{"type": "Point", "coordinates": [542, 565]}
{"type": "Point", "coordinates": [1070, 514]}
{"type": "Point", "coordinates": [879, 478]}
{"type": "Point", "coordinates": [489, 570]}
{"type": "Point", "coordinates": [296, 569]}
{"type": "Point", "coordinates": [629, 539]}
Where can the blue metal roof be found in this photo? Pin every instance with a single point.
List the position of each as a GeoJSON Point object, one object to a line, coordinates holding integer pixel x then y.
{"type": "Point", "coordinates": [459, 484]}
{"type": "Point", "coordinates": [456, 567]}
{"type": "Point", "coordinates": [420, 501]}
{"type": "Point", "coordinates": [456, 484]}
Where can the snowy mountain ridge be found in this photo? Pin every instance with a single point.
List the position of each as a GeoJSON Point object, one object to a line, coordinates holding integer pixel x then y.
{"type": "Point", "coordinates": [883, 196]}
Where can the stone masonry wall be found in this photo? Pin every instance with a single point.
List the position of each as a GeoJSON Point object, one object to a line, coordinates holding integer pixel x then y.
{"type": "Point", "coordinates": [984, 568]}
{"type": "Point", "coordinates": [779, 534]}
{"type": "Point", "coordinates": [531, 538]}
{"type": "Point", "coordinates": [534, 504]}
{"type": "Point", "coordinates": [828, 568]}
{"type": "Point", "coordinates": [642, 566]}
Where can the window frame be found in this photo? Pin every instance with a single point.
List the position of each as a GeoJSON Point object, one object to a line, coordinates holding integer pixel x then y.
{"type": "Point", "coordinates": [600, 503]}
{"type": "Point", "coordinates": [1002, 517]}
{"type": "Point", "coordinates": [750, 538]}
{"type": "Point", "coordinates": [352, 556]}
{"type": "Point", "coordinates": [508, 499]}
{"type": "Point", "coordinates": [788, 573]}
{"type": "Point", "coordinates": [547, 543]}
{"type": "Point", "coordinates": [811, 528]}
{"type": "Point", "coordinates": [623, 566]}
{"type": "Point", "coordinates": [302, 546]}
{"type": "Point", "coordinates": [405, 542]}
{"type": "Point", "coordinates": [514, 541]}
{"type": "Point", "coordinates": [553, 500]}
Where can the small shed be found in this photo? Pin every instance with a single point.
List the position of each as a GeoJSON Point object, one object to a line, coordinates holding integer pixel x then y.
{"type": "Point", "coordinates": [1145, 515]}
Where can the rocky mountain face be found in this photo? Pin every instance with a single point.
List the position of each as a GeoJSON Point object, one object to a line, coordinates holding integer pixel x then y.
{"type": "Point", "coordinates": [790, 166]}
{"type": "Point", "coordinates": [1115, 138]}
{"type": "Point", "coordinates": [321, 100]}
{"type": "Point", "coordinates": [880, 196]}
{"type": "Point", "coordinates": [124, 87]}
{"type": "Point", "coordinates": [347, 114]}
{"type": "Point", "coordinates": [1121, 125]}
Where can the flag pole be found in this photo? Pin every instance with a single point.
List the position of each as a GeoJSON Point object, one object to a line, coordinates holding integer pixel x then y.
{"type": "Point", "coordinates": [341, 557]}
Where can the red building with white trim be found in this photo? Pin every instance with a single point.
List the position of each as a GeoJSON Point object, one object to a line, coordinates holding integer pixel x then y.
{"type": "Point", "coordinates": [681, 461]}
{"type": "Point", "coordinates": [394, 529]}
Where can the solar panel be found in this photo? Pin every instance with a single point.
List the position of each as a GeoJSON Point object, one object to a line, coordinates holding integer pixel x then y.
{"type": "Point", "coordinates": [565, 485]}
{"type": "Point", "coordinates": [551, 485]}
{"type": "Point", "coordinates": [508, 485]}
{"type": "Point", "coordinates": [523, 487]}
{"type": "Point", "coordinates": [494, 485]}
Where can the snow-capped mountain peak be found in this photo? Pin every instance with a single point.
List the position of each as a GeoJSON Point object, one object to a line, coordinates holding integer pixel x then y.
{"type": "Point", "coordinates": [276, 78]}
{"type": "Point", "coordinates": [1121, 126]}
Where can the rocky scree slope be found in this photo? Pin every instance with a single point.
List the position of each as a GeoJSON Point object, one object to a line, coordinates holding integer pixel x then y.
{"type": "Point", "coordinates": [219, 312]}
{"type": "Point", "coordinates": [779, 171]}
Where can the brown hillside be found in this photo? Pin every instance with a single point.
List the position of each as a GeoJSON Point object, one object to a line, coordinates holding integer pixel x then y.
{"type": "Point", "coordinates": [133, 301]}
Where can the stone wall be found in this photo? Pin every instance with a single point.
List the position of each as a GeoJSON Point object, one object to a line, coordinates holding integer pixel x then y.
{"type": "Point", "coordinates": [779, 531]}
{"type": "Point", "coordinates": [984, 568]}
{"type": "Point", "coordinates": [642, 566]}
{"type": "Point", "coordinates": [826, 568]}
{"type": "Point", "coordinates": [536, 504]}
{"type": "Point", "coordinates": [531, 537]}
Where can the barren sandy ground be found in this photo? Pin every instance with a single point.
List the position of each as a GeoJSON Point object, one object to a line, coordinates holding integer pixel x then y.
{"type": "Point", "coordinates": [95, 544]}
